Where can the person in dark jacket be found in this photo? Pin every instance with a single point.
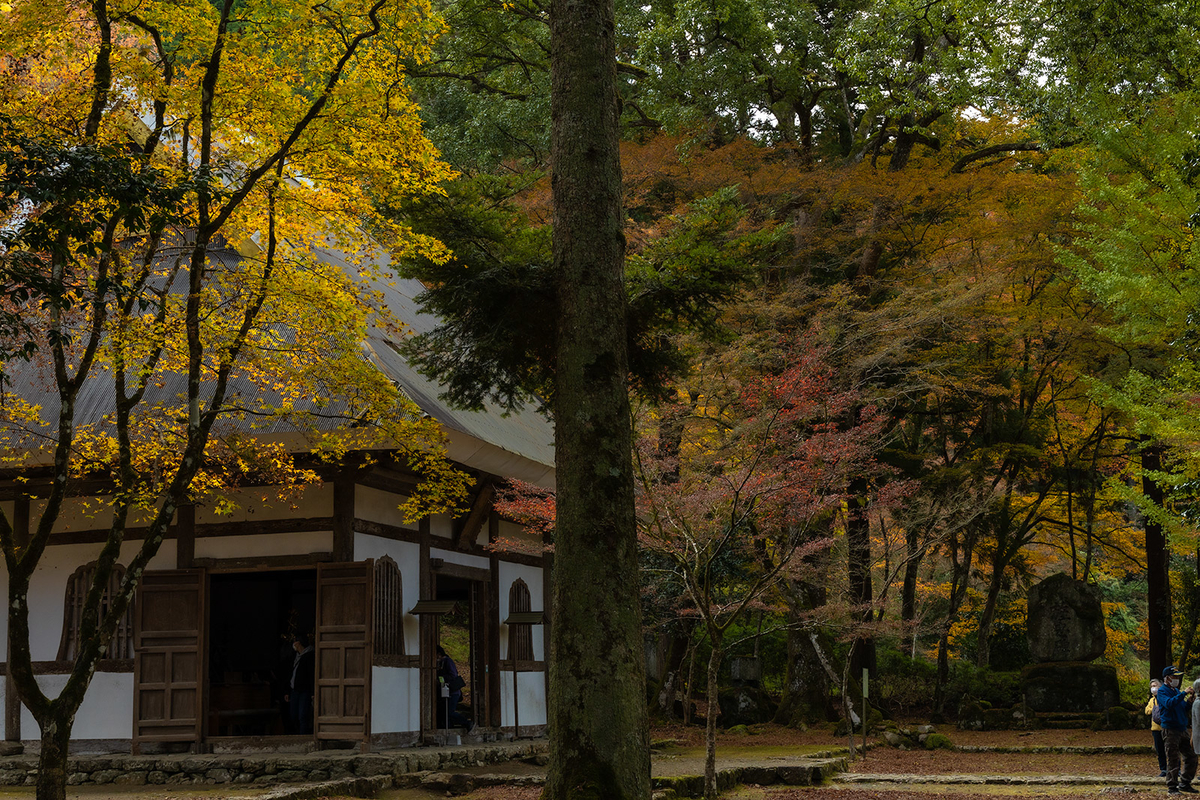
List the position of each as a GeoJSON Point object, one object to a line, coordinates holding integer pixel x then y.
{"type": "Point", "coordinates": [448, 678]}
{"type": "Point", "coordinates": [1175, 715]}
{"type": "Point", "coordinates": [1156, 728]}
{"type": "Point", "coordinates": [300, 685]}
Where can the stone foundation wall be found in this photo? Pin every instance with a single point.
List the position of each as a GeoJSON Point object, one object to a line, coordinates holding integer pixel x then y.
{"type": "Point", "coordinates": [264, 769]}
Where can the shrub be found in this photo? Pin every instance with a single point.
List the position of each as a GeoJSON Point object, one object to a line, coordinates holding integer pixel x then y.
{"type": "Point", "coordinates": [938, 741]}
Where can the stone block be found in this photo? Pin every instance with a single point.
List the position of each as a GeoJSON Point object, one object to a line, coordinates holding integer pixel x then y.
{"type": "Point", "coordinates": [1065, 620]}
{"type": "Point", "coordinates": [761, 776]}
{"type": "Point", "coordinates": [218, 775]}
{"type": "Point", "coordinates": [137, 778]}
{"type": "Point", "coordinates": [105, 776]}
{"type": "Point", "coordinates": [76, 778]}
{"type": "Point", "coordinates": [12, 777]}
{"type": "Point", "coordinates": [1075, 687]}
{"type": "Point", "coordinates": [156, 777]}
{"type": "Point", "coordinates": [794, 775]}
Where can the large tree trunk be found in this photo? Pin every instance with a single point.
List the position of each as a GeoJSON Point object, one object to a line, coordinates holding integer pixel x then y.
{"type": "Point", "coordinates": [597, 705]}
{"type": "Point", "coordinates": [1158, 556]}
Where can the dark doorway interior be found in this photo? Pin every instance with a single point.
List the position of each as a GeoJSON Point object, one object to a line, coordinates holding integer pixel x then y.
{"type": "Point", "coordinates": [457, 635]}
{"type": "Point", "coordinates": [252, 619]}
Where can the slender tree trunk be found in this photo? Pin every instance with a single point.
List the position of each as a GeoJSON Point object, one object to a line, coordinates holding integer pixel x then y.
{"type": "Point", "coordinates": [597, 704]}
{"type": "Point", "coordinates": [691, 682]}
{"type": "Point", "coordinates": [1158, 583]}
{"type": "Point", "coordinates": [714, 709]}
{"type": "Point", "coordinates": [806, 686]}
{"type": "Point", "coordinates": [912, 566]}
{"type": "Point", "coordinates": [858, 538]}
{"type": "Point", "coordinates": [52, 761]}
{"type": "Point", "coordinates": [983, 649]}
{"type": "Point", "coordinates": [961, 556]}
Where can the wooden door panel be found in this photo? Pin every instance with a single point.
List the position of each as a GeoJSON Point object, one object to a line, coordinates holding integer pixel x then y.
{"type": "Point", "coordinates": [167, 665]}
{"type": "Point", "coordinates": [343, 643]}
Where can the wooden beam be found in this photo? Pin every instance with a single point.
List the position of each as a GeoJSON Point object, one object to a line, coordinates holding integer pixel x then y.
{"type": "Point", "coordinates": [260, 563]}
{"type": "Point", "coordinates": [448, 569]}
{"type": "Point", "coordinates": [386, 531]}
{"type": "Point", "coordinates": [468, 528]}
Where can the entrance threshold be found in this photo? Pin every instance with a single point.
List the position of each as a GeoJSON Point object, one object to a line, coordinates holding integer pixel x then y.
{"type": "Point", "coordinates": [251, 745]}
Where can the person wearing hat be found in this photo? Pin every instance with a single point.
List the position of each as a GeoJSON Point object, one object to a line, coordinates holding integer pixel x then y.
{"type": "Point", "coordinates": [1175, 716]}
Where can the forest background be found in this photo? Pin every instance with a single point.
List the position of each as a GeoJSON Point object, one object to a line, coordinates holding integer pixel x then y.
{"type": "Point", "coordinates": [911, 323]}
{"type": "Point", "coordinates": [911, 312]}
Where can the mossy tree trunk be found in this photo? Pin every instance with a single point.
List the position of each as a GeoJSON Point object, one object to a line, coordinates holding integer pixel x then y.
{"type": "Point", "coordinates": [597, 704]}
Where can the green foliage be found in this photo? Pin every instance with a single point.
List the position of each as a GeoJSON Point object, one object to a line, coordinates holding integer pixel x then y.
{"type": "Point", "coordinates": [938, 741]}
{"type": "Point", "coordinates": [495, 297]}
{"type": "Point", "coordinates": [902, 684]}
{"type": "Point", "coordinates": [997, 689]}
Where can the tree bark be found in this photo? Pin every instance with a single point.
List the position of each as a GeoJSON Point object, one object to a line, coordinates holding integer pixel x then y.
{"type": "Point", "coordinates": [714, 707]}
{"type": "Point", "coordinates": [983, 648]}
{"type": "Point", "coordinates": [1158, 583]}
{"type": "Point", "coordinates": [858, 539]}
{"type": "Point", "coordinates": [806, 686]}
{"type": "Point", "coordinates": [52, 761]}
{"type": "Point", "coordinates": [597, 705]}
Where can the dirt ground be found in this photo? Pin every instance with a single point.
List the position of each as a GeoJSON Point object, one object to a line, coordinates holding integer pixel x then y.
{"type": "Point", "coordinates": [679, 750]}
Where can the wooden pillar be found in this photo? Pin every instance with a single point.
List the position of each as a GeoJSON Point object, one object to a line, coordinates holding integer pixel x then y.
{"type": "Point", "coordinates": [12, 703]}
{"type": "Point", "coordinates": [547, 605]}
{"type": "Point", "coordinates": [493, 655]}
{"type": "Point", "coordinates": [428, 630]}
{"type": "Point", "coordinates": [185, 536]}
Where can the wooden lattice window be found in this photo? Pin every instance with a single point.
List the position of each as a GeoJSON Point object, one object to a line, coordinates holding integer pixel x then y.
{"type": "Point", "coordinates": [78, 585]}
{"type": "Point", "coordinates": [520, 636]}
{"type": "Point", "coordinates": [389, 609]}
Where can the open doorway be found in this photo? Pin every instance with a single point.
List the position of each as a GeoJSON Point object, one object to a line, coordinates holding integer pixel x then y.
{"type": "Point", "coordinates": [253, 619]}
{"type": "Point", "coordinates": [459, 634]}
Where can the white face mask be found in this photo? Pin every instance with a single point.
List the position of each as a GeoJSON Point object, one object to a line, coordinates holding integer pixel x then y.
{"type": "Point", "coordinates": [1173, 683]}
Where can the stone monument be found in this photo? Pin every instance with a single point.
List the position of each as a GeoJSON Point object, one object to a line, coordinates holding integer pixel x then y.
{"type": "Point", "coordinates": [1066, 633]}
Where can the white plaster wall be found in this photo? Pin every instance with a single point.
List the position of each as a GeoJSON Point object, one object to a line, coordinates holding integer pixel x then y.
{"type": "Point", "coordinates": [264, 544]}
{"type": "Point", "coordinates": [532, 698]}
{"type": "Point", "coordinates": [106, 713]}
{"type": "Point", "coordinates": [407, 556]}
{"type": "Point", "coordinates": [107, 710]}
{"type": "Point", "coordinates": [441, 525]}
{"type": "Point", "coordinates": [395, 699]}
{"type": "Point", "coordinates": [48, 589]}
{"type": "Point", "coordinates": [533, 579]}
{"type": "Point", "coordinates": [87, 514]}
{"type": "Point", "coordinates": [380, 506]}
{"type": "Point", "coordinates": [462, 559]}
{"type": "Point", "coordinates": [260, 504]}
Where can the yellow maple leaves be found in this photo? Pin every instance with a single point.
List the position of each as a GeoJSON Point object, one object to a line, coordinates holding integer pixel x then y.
{"type": "Point", "coordinates": [289, 123]}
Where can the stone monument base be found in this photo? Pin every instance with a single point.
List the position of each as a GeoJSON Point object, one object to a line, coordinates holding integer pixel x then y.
{"type": "Point", "coordinates": [1070, 686]}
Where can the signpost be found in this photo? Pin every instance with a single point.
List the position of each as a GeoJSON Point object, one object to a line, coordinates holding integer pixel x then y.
{"type": "Point", "coordinates": [865, 716]}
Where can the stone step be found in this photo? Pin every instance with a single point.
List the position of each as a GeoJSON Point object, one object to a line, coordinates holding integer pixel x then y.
{"type": "Point", "coordinates": [901, 779]}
